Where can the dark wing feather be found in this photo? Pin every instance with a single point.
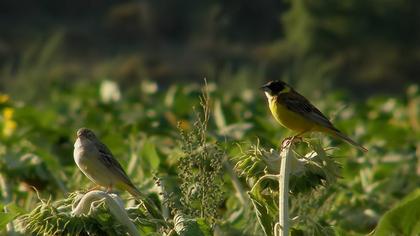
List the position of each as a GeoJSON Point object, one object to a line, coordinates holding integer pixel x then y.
{"type": "Point", "coordinates": [113, 165]}
{"type": "Point", "coordinates": [299, 104]}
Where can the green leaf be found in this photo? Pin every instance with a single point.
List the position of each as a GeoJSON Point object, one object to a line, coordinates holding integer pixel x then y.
{"type": "Point", "coordinates": [219, 117]}
{"type": "Point", "coordinates": [149, 154]}
{"type": "Point", "coordinates": [185, 226]}
{"type": "Point", "coordinates": [204, 227]}
{"type": "Point", "coordinates": [403, 219]}
{"type": "Point", "coordinates": [6, 217]}
{"type": "Point", "coordinates": [265, 208]}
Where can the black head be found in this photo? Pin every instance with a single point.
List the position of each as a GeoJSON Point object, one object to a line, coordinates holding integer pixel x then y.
{"type": "Point", "coordinates": [86, 133]}
{"type": "Point", "coordinates": [275, 87]}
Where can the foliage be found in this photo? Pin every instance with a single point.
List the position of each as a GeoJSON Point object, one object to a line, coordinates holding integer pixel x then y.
{"type": "Point", "coordinates": [59, 218]}
{"type": "Point", "coordinates": [200, 169]}
{"type": "Point", "coordinates": [141, 130]}
{"type": "Point", "coordinates": [185, 226]}
{"type": "Point", "coordinates": [308, 174]}
{"type": "Point", "coordinates": [403, 218]}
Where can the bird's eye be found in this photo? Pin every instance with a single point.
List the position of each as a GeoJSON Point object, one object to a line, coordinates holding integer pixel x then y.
{"type": "Point", "coordinates": [90, 135]}
{"type": "Point", "coordinates": [277, 87]}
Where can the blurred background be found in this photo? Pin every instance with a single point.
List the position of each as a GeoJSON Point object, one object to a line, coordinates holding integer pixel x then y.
{"type": "Point", "coordinates": [372, 46]}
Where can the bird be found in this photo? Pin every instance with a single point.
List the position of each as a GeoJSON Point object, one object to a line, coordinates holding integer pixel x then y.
{"type": "Point", "coordinates": [293, 111]}
{"type": "Point", "coordinates": [97, 162]}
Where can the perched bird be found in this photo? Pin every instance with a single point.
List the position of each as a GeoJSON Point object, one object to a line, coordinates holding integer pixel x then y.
{"type": "Point", "coordinates": [96, 161]}
{"type": "Point", "coordinates": [295, 112]}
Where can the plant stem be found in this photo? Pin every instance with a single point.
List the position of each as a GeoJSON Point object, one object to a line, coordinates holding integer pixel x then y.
{"type": "Point", "coordinates": [7, 196]}
{"type": "Point", "coordinates": [285, 155]}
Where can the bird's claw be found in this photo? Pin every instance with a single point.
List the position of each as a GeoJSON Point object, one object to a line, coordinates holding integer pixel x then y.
{"type": "Point", "coordinates": [94, 188]}
{"type": "Point", "coordinates": [290, 140]}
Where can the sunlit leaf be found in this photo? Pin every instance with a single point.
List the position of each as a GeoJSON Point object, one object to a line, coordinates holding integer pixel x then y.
{"type": "Point", "coordinates": [185, 226]}
{"type": "Point", "coordinates": [150, 155]}
{"type": "Point", "coordinates": [403, 219]}
{"type": "Point", "coordinates": [265, 209]}
{"type": "Point", "coordinates": [219, 117]}
{"type": "Point", "coordinates": [6, 216]}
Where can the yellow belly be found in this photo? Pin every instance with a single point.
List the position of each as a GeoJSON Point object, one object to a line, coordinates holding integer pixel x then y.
{"type": "Point", "coordinates": [290, 119]}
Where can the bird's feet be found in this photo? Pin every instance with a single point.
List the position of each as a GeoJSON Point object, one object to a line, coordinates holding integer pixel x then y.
{"type": "Point", "coordinates": [94, 188]}
{"type": "Point", "coordinates": [287, 142]}
{"type": "Point", "coordinates": [109, 189]}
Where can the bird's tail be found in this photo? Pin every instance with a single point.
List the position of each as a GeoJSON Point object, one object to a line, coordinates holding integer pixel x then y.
{"type": "Point", "coordinates": [147, 202]}
{"type": "Point", "coordinates": [344, 137]}
{"type": "Point", "coordinates": [134, 191]}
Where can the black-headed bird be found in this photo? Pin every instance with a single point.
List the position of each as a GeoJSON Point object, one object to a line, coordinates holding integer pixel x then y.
{"type": "Point", "coordinates": [295, 112]}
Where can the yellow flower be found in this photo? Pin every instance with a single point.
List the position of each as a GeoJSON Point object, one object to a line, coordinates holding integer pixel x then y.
{"type": "Point", "coordinates": [9, 127]}
{"type": "Point", "coordinates": [4, 98]}
{"type": "Point", "coordinates": [8, 113]}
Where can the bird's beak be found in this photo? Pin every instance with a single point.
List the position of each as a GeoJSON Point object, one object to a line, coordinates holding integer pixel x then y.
{"type": "Point", "coordinates": [264, 88]}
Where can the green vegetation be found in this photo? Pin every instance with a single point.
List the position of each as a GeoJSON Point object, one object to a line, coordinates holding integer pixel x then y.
{"type": "Point", "coordinates": [201, 165]}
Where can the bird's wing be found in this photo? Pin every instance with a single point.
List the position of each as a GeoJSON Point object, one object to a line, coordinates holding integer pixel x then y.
{"type": "Point", "coordinates": [108, 159]}
{"type": "Point", "coordinates": [299, 104]}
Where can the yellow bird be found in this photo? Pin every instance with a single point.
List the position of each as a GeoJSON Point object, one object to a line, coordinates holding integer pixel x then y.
{"type": "Point", "coordinates": [295, 112]}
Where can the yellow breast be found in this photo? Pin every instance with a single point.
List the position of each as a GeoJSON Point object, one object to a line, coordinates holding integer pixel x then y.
{"type": "Point", "coordinates": [288, 118]}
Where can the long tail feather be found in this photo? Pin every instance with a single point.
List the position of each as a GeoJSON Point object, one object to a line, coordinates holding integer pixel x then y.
{"type": "Point", "coordinates": [147, 202]}
{"type": "Point", "coordinates": [348, 140]}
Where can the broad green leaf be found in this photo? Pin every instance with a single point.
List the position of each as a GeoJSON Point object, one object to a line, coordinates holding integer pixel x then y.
{"type": "Point", "coordinates": [5, 218]}
{"type": "Point", "coordinates": [12, 212]}
{"type": "Point", "coordinates": [403, 219]}
{"type": "Point", "coordinates": [263, 216]}
{"type": "Point", "coordinates": [265, 208]}
{"type": "Point", "coordinates": [150, 155]}
{"type": "Point", "coordinates": [204, 227]}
